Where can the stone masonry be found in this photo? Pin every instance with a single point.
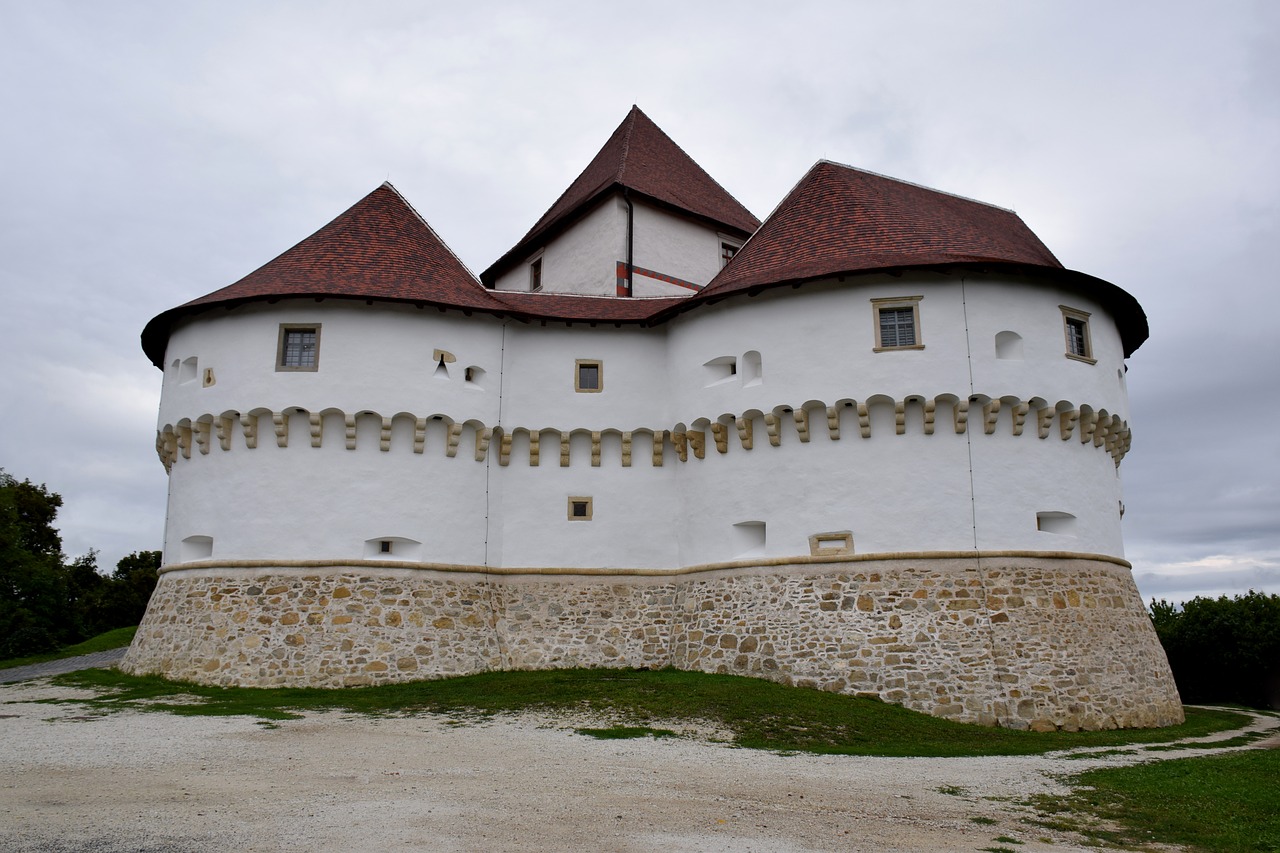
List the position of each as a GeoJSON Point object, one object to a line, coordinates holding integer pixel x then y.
{"type": "Point", "coordinates": [1023, 641]}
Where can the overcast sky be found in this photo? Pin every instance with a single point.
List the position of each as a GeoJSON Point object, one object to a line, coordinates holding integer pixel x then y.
{"type": "Point", "coordinates": [153, 152]}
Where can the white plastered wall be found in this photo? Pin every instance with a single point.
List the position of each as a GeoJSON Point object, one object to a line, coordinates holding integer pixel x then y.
{"type": "Point", "coordinates": [583, 259]}
{"type": "Point", "coordinates": [908, 492]}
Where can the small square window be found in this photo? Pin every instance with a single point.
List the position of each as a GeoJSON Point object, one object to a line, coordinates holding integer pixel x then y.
{"type": "Point", "coordinates": [535, 275]}
{"type": "Point", "coordinates": [298, 347]}
{"type": "Point", "coordinates": [580, 509]}
{"type": "Point", "coordinates": [385, 546]}
{"type": "Point", "coordinates": [897, 323]}
{"type": "Point", "coordinates": [727, 251]}
{"type": "Point", "coordinates": [588, 376]}
{"type": "Point", "coordinates": [1075, 325]}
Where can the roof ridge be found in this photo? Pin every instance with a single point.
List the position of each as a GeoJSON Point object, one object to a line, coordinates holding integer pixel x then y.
{"type": "Point", "coordinates": [434, 233]}
{"type": "Point", "coordinates": [626, 143]}
{"type": "Point", "coordinates": [920, 186]}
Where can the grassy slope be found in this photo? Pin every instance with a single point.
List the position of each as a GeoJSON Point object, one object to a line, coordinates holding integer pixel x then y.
{"type": "Point", "coordinates": [1228, 802]}
{"type": "Point", "coordinates": [116, 639]}
{"type": "Point", "coordinates": [760, 714]}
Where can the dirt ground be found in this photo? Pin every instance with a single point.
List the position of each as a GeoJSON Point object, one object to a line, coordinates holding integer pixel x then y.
{"type": "Point", "coordinates": [71, 780]}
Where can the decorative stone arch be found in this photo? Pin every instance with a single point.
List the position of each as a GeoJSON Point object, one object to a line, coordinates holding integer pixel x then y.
{"type": "Point", "coordinates": [253, 423]}
{"type": "Point", "coordinates": [878, 414]}
{"type": "Point", "coordinates": [404, 431]}
{"type": "Point", "coordinates": [1067, 418]}
{"type": "Point", "coordinates": [202, 433]}
{"type": "Point", "coordinates": [333, 427]}
{"type": "Point", "coordinates": [607, 447]}
{"type": "Point", "coordinates": [843, 416]}
{"type": "Point", "coordinates": [722, 428]}
{"type": "Point", "coordinates": [699, 435]}
{"type": "Point", "coordinates": [1042, 412]}
{"type": "Point", "coordinates": [548, 450]}
{"type": "Point", "coordinates": [747, 425]}
{"type": "Point", "coordinates": [952, 410]}
{"type": "Point", "coordinates": [916, 414]}
{"type": "Point", "coordinates": [472, 439]}
{"type": "Point", "coordinates": [1014, 410]}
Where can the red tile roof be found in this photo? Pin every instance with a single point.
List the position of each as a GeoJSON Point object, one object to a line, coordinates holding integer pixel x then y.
{"type": "Point", "coordinates": [839, 219]}
{"type": "Point", "coordinates": [379, 248]}
{"type": "Point", "coordinates": [842, 221]}
{"type": "Point", "coordinates": [643, 159]}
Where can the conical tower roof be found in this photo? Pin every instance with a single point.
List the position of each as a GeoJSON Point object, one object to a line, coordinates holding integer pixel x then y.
{"type": "Point", "coordinates": [641, 158]}
{"type": "Point", "coordinates": [839, 219]}
{"type": "Point", "coordinates": [379, 248]}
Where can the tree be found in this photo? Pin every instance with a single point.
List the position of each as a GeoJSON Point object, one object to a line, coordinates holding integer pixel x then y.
{"type": "Point", "coordinates": [124, 596]}
{"type": "Point", "coordinates": [47, 602]}
{"type": "Point", "coordinates": [32, 591]}
{"type": "Point", "coordinates": [1223, 649]}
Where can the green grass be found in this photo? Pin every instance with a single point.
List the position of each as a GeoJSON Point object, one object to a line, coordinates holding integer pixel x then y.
{"type": "Point", "coordinates": [625, 732]}
{"type": "Point", "coordinates": [1228, 803]}
{"type": "Point", "coordinates": [116, 639]}
{"type": "Point", "coordinates": [757, 714]}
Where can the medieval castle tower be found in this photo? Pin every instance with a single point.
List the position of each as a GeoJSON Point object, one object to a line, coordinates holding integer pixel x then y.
{"type": "Point", "coordinates": [871, 445]}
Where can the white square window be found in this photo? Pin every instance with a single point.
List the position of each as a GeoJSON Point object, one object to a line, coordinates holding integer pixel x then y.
{"type": "Point", "coordinates": [298, 347]}
{"type": "Point", "coordinates": [897, 323]}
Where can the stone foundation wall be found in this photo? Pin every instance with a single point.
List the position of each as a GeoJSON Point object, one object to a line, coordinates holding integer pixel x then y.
{"type": "Point", "coordinates": [1028, 641]}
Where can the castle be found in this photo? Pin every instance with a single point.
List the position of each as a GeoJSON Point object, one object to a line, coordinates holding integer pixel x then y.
{"type": "Point", "coordinates": [871, 445]}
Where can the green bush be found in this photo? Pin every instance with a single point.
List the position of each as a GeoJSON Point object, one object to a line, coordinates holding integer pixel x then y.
{"type": "Point", "coordinates": [1223, 649]}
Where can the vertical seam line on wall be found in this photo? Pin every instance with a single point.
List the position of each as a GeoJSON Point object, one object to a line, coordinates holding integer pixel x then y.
{"type": "Point", "coordinates": [973, 504]}
{"type": "Point", "coordinates": [488, 467]}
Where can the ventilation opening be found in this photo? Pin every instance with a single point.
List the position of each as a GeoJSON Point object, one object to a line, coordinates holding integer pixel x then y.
{"type": "Point", "coordinates": [721, 369]}
{"type": "Point", "coordinates": [1009, 346]}
{"type": "Point", "coordinates": [393, 548]}
{"type": "Point", "coordinates": [831, 544]}
{"type": "Point", "coordinates": [473, 376]}
{"type": "Point", "coordinates": [748, 538]}
{"type": "Point", "coordinates": [1061, 523]}
{"type": "Point", "coordinates": [752, 369]}
{"type": "Point", "coordinates": [196, 548]}
{"type": "Point", "coordinates": [580, 508]}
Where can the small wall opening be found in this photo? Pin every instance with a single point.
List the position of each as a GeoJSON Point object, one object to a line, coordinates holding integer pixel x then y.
{"type": "Point", "coordinates": [195, 548]}
{"type": "Point", "coordinates": [748, 538]}
{"type": "Point", "coordinates": [1061, 523]}
{"type": "Point", "coordinates": [393, 548]}
{"type": "Point", "coordinates": [1009, 346]}
{"type": "Point", "coordinates": [187, 372]}
{"type": "Point", "coordinates": [722, 369]}
{"type": "Point", "coordinates": [751, 369]}
{"type": "Point", "coordinates": [831, 544]}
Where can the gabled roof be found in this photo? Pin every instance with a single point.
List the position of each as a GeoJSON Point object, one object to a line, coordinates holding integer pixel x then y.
{"type": "Point", "coordinates": [379, 248]}
{"type": "Point", "coordinates": [839, 221]}
{"type": "Point", "coordinates": [644, 160]}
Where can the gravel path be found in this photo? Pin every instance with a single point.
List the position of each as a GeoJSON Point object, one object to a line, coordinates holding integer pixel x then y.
{"type": "Point", "coordinates": [57, 667]}
{"type": "Point", "coordinates": [73, 781]}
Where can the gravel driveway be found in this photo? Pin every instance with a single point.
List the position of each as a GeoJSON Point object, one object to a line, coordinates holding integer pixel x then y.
{"type": "Point", "coordinates": [72, 780]}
